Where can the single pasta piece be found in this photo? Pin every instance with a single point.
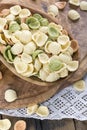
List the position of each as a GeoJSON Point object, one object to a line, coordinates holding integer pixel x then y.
{"type": "Point", "coordinates": [63, 39]}
{"type": "Point", "coordinates": [20, 67]}
{"type": "Point", "coordinates": [79, 85]}
{"type": "Point", "coordinates": [5, 124]}
{"type": "Point", "coordinates": [15, 10]}
{"type": "Point", "coordinates": [17, 48]}
{"type": "Point", "coordinates": [83, 5]}
{"type": "Point", "coordinates": [53, 9]}
{"type": "Point", "coordinates": [43, 58]}
{"type": "Point", "coordinates": [52, 77]}
{"type": "Point", "coordinates": [42, 111]}
{"type": "Point", "coordinates": [73, 15]}
{"type": "Point", "coordinates": [30, 48]}
{"type": "Point", "coordinates": [24, 13]}
{"type": "Point", "coordinates": [10, 95]}
{"type": "Point", "coordinates": [13, 27]}
{"type": "Point", "coordinates": [40, 38]}
{"type": "Point", "coordinates": [0, 75]}
{"type": "Point", "coordinates": [20, 125]}
{"type": "Point", "coordinates": [72, 66]}
{"type": "Point", "coordinates": [55, 64]}
{"type": "Point", "coordinates": [54, 48]}
{"type": "Point", "coordinates": [61, 5]}
{"type": "Point", "coordinates": [33, 23]}
{"type": "Point", "coordinates": [74, 45]}
{"type": "Point", "coordinates": [26, 58]}
{"type": "Point", "coordinates": [32, 109]}
{"type": "Point", "coordinates": [74, 2]}
{"type": "Point", "coordinates": [63, 73]}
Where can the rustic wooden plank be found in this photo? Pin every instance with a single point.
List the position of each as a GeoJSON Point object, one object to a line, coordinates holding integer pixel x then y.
{"type": "Point", "coordinates": [66, 124]}
{"type": "Point", "coordinates": [80, 125]}
{"type": "Point", "coordinates": [33, 124]}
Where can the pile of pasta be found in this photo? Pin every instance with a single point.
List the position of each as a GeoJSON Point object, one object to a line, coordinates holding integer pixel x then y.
{"type": "Point", "coordinates": [35, 46]}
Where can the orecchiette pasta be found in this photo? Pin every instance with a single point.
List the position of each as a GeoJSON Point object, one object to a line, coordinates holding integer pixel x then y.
{"type": "Point", "coordinates": [24, 13]}
{"type": "Point", "coordinates": [74, 2]}
{"type": "Point", "coordinates": [30, 48]}
{"type": "Point", "coordinates": [5, 124]}
{"type": "Point", "coordinates": [63, 39]}
{"type": "Point", "coordinates": [43, 58]}
{"type": "Point", "coordinates": [53, 9]}
{"type": "Point", "coordinates": [15, 10]}
{"type": "Point", "coordinates": [73, 15]}
{"type": "Point", "coordinates": [10, 95]}
{"type": "Point", "coordinates": [42, 111]}
{"type": "Point", "coordinates": [72, 66]}
{"type": "Point", "coordinates": [32, 109]}
{"type": "Point", "coordinates": [17, 49]}
{"type": "Point", "coordinates": [83, 5]}
{"type": "Point", "coordinates": [26, 58]}
{"type": "Point", "coordinates": [54, 48]}
{"type": "Point", "coordinates": [40, 38]}
{"type": "Point", "coordinates": [20, 125]}
{"type": "Point", "coordinates": [35, 46]}
{"type": "Point", "coordinates": [79, 85]}
{"type": "Point", "coordinates": [20, 67]}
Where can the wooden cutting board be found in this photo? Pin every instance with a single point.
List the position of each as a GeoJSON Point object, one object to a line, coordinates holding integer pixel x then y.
{"type": "Point", "coordinates": [29, 93]}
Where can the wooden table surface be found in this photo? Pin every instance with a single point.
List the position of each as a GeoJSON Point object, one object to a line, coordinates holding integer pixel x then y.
{"type": "Point", "coordinates": [33, 124]}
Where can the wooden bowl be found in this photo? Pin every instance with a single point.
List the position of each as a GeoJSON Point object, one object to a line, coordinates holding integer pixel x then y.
{"type": "Point", "coordinates": [32, 80]}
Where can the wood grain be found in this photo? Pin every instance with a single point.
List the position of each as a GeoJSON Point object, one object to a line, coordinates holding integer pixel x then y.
{"type": "Point", "coordinates": [33, 124]}
{"type": "Point", "coordinates": [29, 93]}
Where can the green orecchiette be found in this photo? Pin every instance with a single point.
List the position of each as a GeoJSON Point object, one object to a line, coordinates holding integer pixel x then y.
{"type": "Point", "coordinates": [33, 22]}
{"type": "Point", "coordinates": [55, 65]}
{"type": "Point", "coordinates": [36, 53]}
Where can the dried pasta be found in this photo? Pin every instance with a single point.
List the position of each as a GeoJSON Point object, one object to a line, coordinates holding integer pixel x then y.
{"type": "Point", "coordinates": [10, 95]}
{"type": "Point", "coordinates": [53, 9]}
{"type": "Point", "coordinates": [79, 85]}
{"type": "Point", "coordinates": [35, 46]}
{"type": "Point", "coordinates": [5, 124]}
{"type": "Point", "coordinates": [32, 109]}
{"type": "Point", "coordinates": [83, 5]}
{"type": "Point", "coordinates": [73, 15]}
{"type": "Point", "coordinates": [74, 2]}
{"type": "Point", "coordinates": [42, 111]}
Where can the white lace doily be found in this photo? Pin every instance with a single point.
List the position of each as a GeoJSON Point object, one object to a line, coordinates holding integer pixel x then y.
{"type": "Point", "coordinates": [68, 103]}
